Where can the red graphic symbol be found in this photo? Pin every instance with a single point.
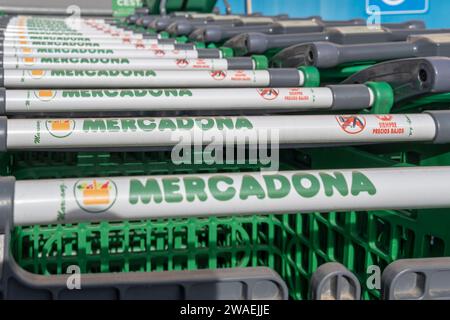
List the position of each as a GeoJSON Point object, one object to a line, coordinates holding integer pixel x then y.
{"type": "Point", "coordinates": [269, 93]}
{"type": "Point", "coordinates": [218, 75]}
{"type": "Point", "coordinates": [160, 53]}
{"type": "Point", "coordinates": [182, 63]}
{"type": "Point", "coordinates": [352, 124]}
{"type": "Point", "coordinates": [385, 118]}
{"type": "Point", "coordinates": [139, 44]}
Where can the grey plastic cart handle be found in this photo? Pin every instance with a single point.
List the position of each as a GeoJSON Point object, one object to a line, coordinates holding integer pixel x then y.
{"type": "Point", "coordinates": [222, 284]}
{"type": "Point", "coordinates": [146, 20]}
{"type": "Point", "coordinates": [281, 38]}
{"type": "Point", "coordinates": [160, 24]}
{"type": "Point", "coordinates": [412, 24]}
{"type": "Point", "coordinates": [185, 28]}
{"type": "Point", "coordinates": [417, 279]}
{"type": "Point", "coordinates": [333, 281]}
{"type": "Point", "coordinates": [221, 33]}
{"type": "Point", "coordinates": [246, 43]}
{"type": "Point", "coordinates": [409, 78]}
{"type": "Point", "coordinates": [132, 19]}
{"type": "Point", "coordinates": [297, 53]}
{"type": "Point", "coordinates": [328, 55]}
{"type": "Point", "coordinates": [218, 33]}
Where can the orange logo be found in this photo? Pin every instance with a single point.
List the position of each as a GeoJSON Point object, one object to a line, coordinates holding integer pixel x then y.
{"type": "Point", "coordinates": [45, 95]}
{"type": "Point", "coordinates": [95, 196]}
{"type": "Point", "coordinates": [60, 128]}
{"type": "Point", "coordinates": [29, 61]}
{"type": "Point", "coordinates": [36, 74]}
{"type": "Point", "coordinates": [27, 50]}
{"type": "Point", "coordinates": [60, 125]}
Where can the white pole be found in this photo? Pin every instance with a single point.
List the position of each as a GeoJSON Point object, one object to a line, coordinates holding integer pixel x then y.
{"type": "Point", "coordinates": [24, 47]}
{"type": "Point", "coordinates": [137, 79]}
{"type": "Point", "coordinates": [153, 132]}
{"type": "Point", "coordinates": [84, 27]}
{"type": "Point", "coordinates": [107, 37]}
{"type": "Point", "coordinates": [96, 53]}
{"type": "Point", "coordinates": [114, 63]}
{"type": "Point", "coordinates": [82, 36]}
{"type": "Point", "coordinates": [133, 39]}
{"type": "Point", "coordinates": [71, 100]}
{"type": "Point", "coordinates": [105, 34]}
{"type": "Point", "coordinates": [228, 194]}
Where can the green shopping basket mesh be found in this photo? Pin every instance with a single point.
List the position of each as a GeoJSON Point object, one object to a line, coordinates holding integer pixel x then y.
{"type": "Point", "coordinates": [293, 245]}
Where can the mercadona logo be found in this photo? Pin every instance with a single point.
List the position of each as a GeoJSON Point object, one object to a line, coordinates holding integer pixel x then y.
{"type": "Point", "coordinates": [268, 93]}
{"type": "Point", "coordinates": [26, 50]}
{"type": "Point", "coordinates": [352, 124]}
{"type": "Point", "coordinates": [36, 74]}
{"type": "Point", "coordinates": [60, 128]}
{"type": "Point", "coordinates": [29, 61]}
{"type": "Point", "coordinates": [45, 95]}
{"type": "Point", "coordinates": [95, 196]}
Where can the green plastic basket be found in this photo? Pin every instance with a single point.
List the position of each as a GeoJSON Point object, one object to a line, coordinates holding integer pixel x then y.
{"type": "Point", "coordinates": [172, 5]}
{"type": "Point", "coordinates": [361, 239]}
{"type": "Point", "coordinates": [200, 5]}
{"type": "Point", "coordinates": [293, 245]}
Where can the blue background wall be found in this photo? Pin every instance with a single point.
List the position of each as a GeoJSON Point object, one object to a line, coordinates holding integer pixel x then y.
{"type": "Point", "coordinates": [436, 17]}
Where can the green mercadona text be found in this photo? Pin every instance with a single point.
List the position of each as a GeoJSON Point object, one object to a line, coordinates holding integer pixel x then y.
{"type": "Point", "coordinates": [226, 188]}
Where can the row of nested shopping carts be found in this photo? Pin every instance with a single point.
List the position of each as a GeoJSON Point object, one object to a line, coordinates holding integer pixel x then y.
{"type": "Point", "coordinates": [205, 156]}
